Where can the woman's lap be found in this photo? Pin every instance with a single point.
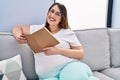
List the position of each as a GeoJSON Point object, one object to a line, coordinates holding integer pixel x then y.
{"type": "Point", "coordinates": [50, 78]}
{"type": "Point", "coordinates": [73, 71]}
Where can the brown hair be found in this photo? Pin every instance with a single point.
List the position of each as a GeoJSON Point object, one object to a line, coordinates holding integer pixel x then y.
{"type": "Point", "coordinates": [64, 20]}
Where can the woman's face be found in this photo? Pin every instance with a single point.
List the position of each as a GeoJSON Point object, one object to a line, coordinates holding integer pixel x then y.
{"type": "Point", "coordinates": [54, 16]}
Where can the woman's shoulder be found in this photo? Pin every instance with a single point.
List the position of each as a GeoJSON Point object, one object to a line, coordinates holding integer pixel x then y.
{"type": "Point", "coordinates": [34, 28]}
{"type": "Point", "coordinates": [67, 31]}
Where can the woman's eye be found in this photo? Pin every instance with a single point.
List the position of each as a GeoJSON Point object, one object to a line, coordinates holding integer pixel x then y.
{"type": "Point", "coordinates": [52, 11]}
{"type": "Point", "coordinates": [58, 14]}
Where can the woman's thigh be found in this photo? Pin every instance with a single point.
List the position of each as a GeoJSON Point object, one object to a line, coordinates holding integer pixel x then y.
{"type": "Point", "coordinates": [75, 71]}
{"type": "Point", "coordinates": [51, 78]}
{"type": "Point", "coordinates": [71, 71]}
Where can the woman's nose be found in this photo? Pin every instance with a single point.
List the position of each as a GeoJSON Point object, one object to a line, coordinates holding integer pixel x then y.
{"type": "Point", "coordinates": [53, 14]}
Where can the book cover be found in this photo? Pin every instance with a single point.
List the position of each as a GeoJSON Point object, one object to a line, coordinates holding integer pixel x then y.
{"type": "Point", "coordinates": [40, 40]}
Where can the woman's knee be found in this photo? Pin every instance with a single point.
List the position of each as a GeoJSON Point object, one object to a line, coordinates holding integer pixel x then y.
{"type": "Point", "coordinates": [75, 71]}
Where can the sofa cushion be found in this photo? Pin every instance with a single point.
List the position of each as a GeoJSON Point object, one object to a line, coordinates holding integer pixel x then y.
{"type": "Point", "coordinates": [101, 76]}
{"type": "Point", "coordinates": [96, 47]}
{"type": "Point", "coordinates": [9, 48]}
{"type": "Point", "coordinates": [112, 72]}
{"type": "Point", "coordinates": [115, 46]}
{"type": "Point", "coordinates": [11, 69]}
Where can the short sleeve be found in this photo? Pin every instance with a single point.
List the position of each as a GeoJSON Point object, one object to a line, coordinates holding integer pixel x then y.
{"type": "Point", "coordinates": [72, 38]}
{"type": "Point", "coordinates": [34, 28]}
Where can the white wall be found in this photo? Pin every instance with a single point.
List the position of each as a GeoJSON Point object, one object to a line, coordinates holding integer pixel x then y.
{"type": "Point", "coordinates": [22, 12]}
{"type": "Point", "coordinates": [116, 14]}
{"type": "Point", "coordinates": [83, 14]}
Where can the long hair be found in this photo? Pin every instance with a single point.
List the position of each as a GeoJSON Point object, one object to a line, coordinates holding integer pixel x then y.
{"type": "Point", "coordinates": [64, 20]}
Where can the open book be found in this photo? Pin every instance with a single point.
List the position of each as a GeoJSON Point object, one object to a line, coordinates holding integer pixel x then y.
{"type": "Point", "coordinates": [41, 39]}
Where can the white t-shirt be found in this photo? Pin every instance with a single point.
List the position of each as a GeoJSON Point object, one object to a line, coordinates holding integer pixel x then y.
{"type": "Point", "coordinates": [45, 63]}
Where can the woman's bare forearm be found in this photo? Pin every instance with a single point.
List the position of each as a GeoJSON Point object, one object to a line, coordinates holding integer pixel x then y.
{"type": "Point", "coordinates": [72, 53]}
{"type": "Point", "coordinates": [19, 32]}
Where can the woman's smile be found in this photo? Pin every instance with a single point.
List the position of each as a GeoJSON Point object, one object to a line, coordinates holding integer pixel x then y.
{"type": "Point", "coordinates": [52, 19]}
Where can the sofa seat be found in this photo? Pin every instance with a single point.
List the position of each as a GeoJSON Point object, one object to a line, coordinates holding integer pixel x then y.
{"type": "Point", "coordinates": [112, 72]}
{"type": "Point", "coordinates": [101, 76]}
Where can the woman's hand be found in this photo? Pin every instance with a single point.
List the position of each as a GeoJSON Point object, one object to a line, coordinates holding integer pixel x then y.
{"type": "Point", "coordinates": [75, 52]}
{"type": "Point", "coordinates": [19, 32]}
{"type": "Point", "coordinates": [51, 50]}
{"type": "Point", "coordinates": [21, 39]}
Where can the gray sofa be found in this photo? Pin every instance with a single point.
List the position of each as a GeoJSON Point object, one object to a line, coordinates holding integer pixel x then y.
{"type": "Point", "coordinates": [102, 52]}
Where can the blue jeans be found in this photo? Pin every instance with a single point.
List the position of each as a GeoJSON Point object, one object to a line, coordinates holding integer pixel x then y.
{"type": "Point", "coordinates": [71, 71]}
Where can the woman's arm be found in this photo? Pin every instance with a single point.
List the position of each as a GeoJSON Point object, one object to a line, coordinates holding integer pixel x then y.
{"type": "Point", "coordinates": [19, 32]}
{"type": "Point", "coordinates": [75, 52]}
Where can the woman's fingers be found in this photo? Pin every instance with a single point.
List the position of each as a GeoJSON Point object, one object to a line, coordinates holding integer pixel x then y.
{"type": "Point", "coordinates": [21, 39]}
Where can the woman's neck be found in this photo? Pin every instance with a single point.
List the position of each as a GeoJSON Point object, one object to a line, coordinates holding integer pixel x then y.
{"type": "Point", "coordinates": [54, 29]}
